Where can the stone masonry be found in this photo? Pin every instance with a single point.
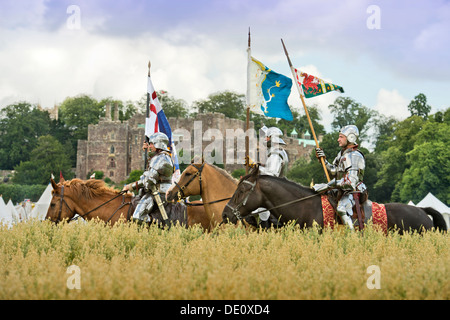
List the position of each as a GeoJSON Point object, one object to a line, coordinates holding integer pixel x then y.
{"type": "Point", "coordinates": [114, 147]}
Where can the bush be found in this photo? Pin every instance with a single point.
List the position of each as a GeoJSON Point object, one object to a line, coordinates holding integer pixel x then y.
{"type": "Point", "coordinates": [18, 193]}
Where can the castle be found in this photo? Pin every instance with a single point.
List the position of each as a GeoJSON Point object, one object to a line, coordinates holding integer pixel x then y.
{"type": "Point", "coordinates": [115, 147]}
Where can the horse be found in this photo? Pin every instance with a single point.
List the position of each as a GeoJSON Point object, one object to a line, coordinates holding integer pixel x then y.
{"type": "Point", "coordinates": [214, 185]}
{"type": "Point", "coordinates": [288, 201]}
{"type": "Point", "coordinates": [93, 199]}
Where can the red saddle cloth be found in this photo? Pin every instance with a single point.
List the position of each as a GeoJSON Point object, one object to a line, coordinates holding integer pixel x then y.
{"type": "Point", "coordinates": [379, 217]}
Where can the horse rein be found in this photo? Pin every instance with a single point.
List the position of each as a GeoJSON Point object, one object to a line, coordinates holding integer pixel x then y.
{"type": "Point", "coordinates": [61, 205]}
{"type": "Point", "coordinates": [235, 210]}
{"type": "Point", "coordinates": [198, 174]}
{"type": "Point", "coordinates": [121, 193]}
{"type": "Point", "coordinates": [238, 215]}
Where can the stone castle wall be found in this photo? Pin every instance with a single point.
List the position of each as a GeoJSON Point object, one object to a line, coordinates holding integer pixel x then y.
{"type": "Point", "coordinates": [114, 147]}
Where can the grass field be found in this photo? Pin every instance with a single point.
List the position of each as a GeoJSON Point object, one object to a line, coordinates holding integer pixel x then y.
{"type": "Point", "coordinates": [127, 262]}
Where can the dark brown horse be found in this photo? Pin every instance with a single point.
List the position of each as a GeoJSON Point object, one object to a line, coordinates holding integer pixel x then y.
{"type": "Point", "coordinates": [93, 199]}
{"type": "Point", "coordinates": [289, 201]}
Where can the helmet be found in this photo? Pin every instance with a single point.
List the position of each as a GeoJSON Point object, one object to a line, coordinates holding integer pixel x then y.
{"type": "Point", "coordinates": [351, 132]}
{"type": "Point", "coordinates": [159, 140]}
{"type": "Point", "coordinates": [275, 135]}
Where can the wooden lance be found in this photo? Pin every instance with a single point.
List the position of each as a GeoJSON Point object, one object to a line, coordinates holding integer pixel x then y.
{"type": "Point", "coordinates": [247, 147]}
{"type": "Point", "coordinates": [147, 114]}
{"type": "Point", "coordinates": [306, 109]}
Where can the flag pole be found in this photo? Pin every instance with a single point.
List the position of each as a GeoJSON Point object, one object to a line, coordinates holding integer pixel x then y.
{"type": "Point", "coordinates": [306, 109]}
{"type": "Point", "coordinates": [147, 114]}
{"type": "Point", "coordinates": [247, 147]}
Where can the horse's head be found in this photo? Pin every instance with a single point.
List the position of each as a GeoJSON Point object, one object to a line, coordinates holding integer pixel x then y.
{"type": "Point", "coordinates": [247, 198]}
{"type": "Point", "coordinates": [190, 183]}
{"type": "Point", "coordinates": [61, 206]}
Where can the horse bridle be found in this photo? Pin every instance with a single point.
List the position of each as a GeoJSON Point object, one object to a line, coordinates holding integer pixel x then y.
{"type": "Point", "coordinates": [62, 201]}
{"type": "Point", "coordinates": [121, 193]}
{"type": "Point", "coordinates": [198, 174]}
{"type": "Point", "coordinates": [235, 210]}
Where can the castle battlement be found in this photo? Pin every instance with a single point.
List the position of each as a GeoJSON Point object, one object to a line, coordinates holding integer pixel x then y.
{"type": "Point", "coordinates": [115, 147]}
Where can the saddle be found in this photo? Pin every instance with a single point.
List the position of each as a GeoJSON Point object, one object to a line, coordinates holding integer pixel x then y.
{"type": "Point", "coordinates": [362, 203]}
{"type": "Point", "coordinates": [176, 212]}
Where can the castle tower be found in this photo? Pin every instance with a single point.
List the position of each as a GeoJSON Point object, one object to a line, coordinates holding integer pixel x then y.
{"type": "Point", "coordinates": [116, 112]}
{"type": "Point", "coordinates": [108, 112]}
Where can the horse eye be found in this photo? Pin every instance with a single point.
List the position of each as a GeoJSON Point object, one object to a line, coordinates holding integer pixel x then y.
{"type": "Point", "coordinates": [52, 205]}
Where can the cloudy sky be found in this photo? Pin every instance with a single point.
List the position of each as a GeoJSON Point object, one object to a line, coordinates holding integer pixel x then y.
{"type": "Point", "coordinates": [382, 52]}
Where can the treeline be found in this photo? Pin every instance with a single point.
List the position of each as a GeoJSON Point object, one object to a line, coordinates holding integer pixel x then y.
{"type": "Point", "coordinates": [404, 159]}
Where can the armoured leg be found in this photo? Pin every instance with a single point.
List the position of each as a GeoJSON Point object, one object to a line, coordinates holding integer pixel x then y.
{"type": "Point", "coordinates": [344, 209]}
{"type": "Point", "coordinates": [143, 208]}
{"type": "Point", "coordinates": [263, 217]}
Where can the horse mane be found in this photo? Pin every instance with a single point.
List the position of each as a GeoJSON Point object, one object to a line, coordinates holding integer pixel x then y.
{"type": "Point", "coordinates": [224, 173]}
{"type": "Point", "coordinates": [291, 185]}
{"type": "Point", "coordinates": [90, 188]}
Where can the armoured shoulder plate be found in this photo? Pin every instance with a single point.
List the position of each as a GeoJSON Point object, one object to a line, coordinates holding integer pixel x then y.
{"type": "Point", "coordinates": [351, 166]}
{"type": "Point", "coordinates": [160, 169]}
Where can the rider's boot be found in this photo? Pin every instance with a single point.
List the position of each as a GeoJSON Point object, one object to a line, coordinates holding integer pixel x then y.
{"type": "Point", "coordinates": [347, 221]}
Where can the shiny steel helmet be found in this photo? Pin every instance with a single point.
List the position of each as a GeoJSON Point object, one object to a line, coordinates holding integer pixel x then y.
{"type": "Point", "coordinates": [159, 140]}
{"type": "Point", "coordinates": [351, 132]}
{"type": "Point", "coordinates": [275, 135]}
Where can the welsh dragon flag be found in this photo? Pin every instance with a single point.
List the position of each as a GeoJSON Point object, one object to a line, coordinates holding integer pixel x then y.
{"type": "Point", "coordinates": [313, 86]}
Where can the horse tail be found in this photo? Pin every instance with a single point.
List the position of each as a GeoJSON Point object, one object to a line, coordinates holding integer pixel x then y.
{"type": "Point", "coordinates": [438, 219]}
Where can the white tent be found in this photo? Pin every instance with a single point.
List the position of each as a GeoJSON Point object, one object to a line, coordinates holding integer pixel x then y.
{"type": "Point", "coordinates": [13, 211]}
{"type": "Point", "coordinates": [41, 207]}
{"type": "Point", "coordinates": [5, 214]}
{"type": "Point", "coordinates": [431, 201]}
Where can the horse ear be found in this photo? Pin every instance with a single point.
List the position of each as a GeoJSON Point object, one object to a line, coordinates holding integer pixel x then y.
{"type": "Point", "coordinates": [62, 180]}
{"type": "Point", "coordinates": [54, 185]}
{"type": "Point", "coordinates": [255, 170]}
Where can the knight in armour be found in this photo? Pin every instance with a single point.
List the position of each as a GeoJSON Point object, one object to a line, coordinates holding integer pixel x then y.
{"type": "Point", "coordinates": [347, 170]}
{"type": "Point", "coordinates": [158, 175]}
{"type": "Point", "coordinates": [276, 164]}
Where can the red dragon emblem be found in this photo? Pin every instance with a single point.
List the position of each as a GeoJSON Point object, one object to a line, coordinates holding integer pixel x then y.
{"type": "Point", "coordinates": [309, 82]}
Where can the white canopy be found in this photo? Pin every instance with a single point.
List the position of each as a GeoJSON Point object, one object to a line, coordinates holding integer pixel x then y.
{"type": "Point", "coordinates": [5, 214]}
{"type": "Point", "coordinates": [41, 207]}
{"type": "Point", "coordinates": [431, 201]}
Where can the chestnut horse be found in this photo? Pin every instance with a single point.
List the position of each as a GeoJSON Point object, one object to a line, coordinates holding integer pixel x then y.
{"type": "Point", "coordinates": [290, 201]}
{"type": "Point", "coordinates": [214, 185]}
{"type": "Point", "coordinates": [93, 199]}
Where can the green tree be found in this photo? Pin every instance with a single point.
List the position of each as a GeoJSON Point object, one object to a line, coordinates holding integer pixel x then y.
{"type": "Point", "coordinates": [419, 106]}
{"type": "Point", "coordinates": [393, 160]}
{"type": "Point", "coordinates": [428, 165]}
{"type": "Point", "coordinates": [48, 157]}
{"type": "Point", "coordinates": [231, 104]}
{"type": "Point", "coordinates": [79, 112]}
{"type": "Point", "coordinates": [302, 124]}
{"type": "Point", "coordinates": [384, 130]}
{"type": "Point", "coordinates": [126, 110]}
{"type": "Point", "coordinates": [347, 111]}
{"type": "Point", "coordinates": [21, 125]}
{"type": "Point", "coordinates": [173, 107]}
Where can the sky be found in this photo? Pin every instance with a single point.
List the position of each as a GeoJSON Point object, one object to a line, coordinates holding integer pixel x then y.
{"type": "Point", "coordinates": [383, 53]}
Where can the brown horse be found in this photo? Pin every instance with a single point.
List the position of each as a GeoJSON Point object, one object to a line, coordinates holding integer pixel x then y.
{"type": "Point", "coordinates": [93, 199]}
{"type": "Point", "coordinates": [214, 185]}
{"type": "Point", "coordinates": [290, 201]}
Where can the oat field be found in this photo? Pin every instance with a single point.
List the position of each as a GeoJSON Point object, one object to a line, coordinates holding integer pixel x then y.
{"type": "Point", "coordinates": [39, 260]}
